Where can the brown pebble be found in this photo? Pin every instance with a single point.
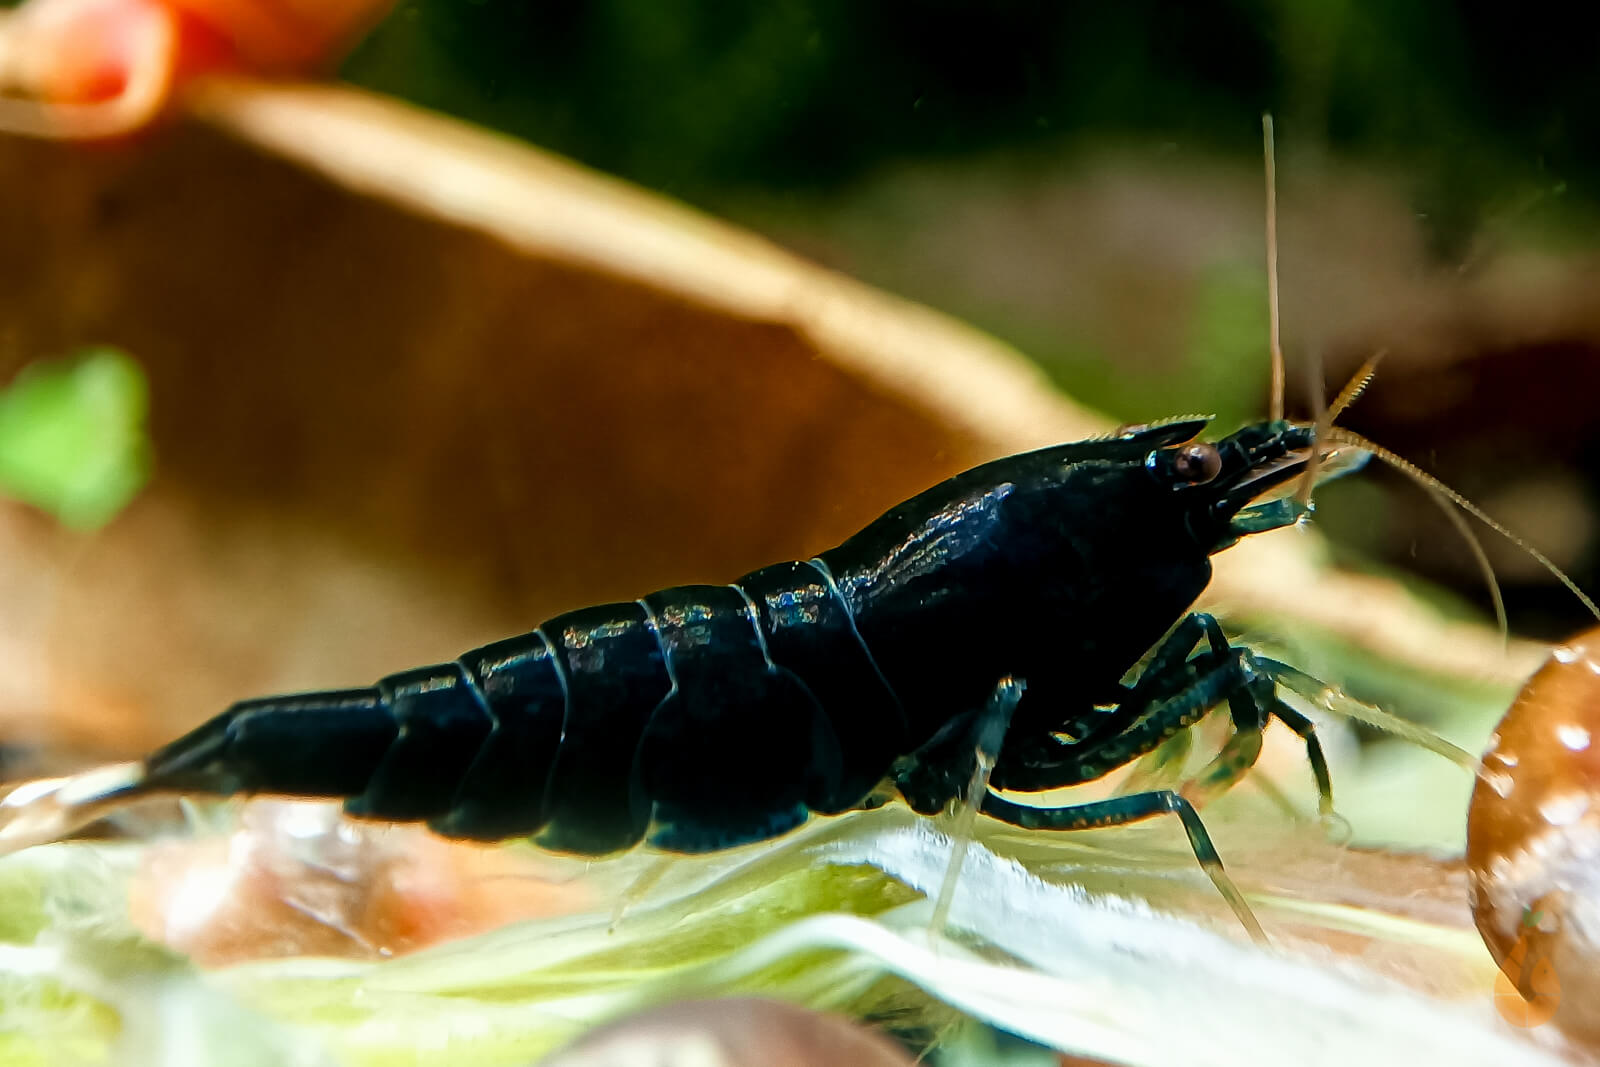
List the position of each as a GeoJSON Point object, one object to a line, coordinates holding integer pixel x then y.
{"type": "Point", "coordinates": [1533, 847]}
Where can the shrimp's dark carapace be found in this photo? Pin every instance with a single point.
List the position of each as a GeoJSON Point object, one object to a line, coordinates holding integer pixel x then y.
{"type": "Point", "coordinates": [994, 618]}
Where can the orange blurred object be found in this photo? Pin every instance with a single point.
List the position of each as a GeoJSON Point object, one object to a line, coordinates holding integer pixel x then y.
{"type": "Point", "coordinates": [1533, 846]}
{"type": "Point", "coordinates": [104, 68]}
{"type": "Point", "coordinates": [298, 879]}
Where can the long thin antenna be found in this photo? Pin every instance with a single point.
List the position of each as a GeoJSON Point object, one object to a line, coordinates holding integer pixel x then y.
{"type": "Point", "coordinates": [1422, 477]}
{"type": "Point", "coordinates": [1479, 556]}
{"type": "Point", "coordinates": [1437, 491]}
{"type": "Point", "coordinates": [1270, 151]}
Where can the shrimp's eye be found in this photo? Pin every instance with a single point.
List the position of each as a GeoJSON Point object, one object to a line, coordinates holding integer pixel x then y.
{"type": "Point", "coordinates": [1198, 463]}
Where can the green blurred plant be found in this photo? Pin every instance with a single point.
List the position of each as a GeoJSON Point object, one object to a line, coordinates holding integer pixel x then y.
{"type": "Point", "coordinates": [72, 436]}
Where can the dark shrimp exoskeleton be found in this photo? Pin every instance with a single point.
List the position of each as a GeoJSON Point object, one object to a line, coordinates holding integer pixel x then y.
{"type": "Point", "coordinates": [1020, 593]}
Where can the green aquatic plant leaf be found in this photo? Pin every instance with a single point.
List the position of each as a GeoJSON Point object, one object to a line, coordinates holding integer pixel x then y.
{"type": "Point", "coordinates": [72, 436]}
